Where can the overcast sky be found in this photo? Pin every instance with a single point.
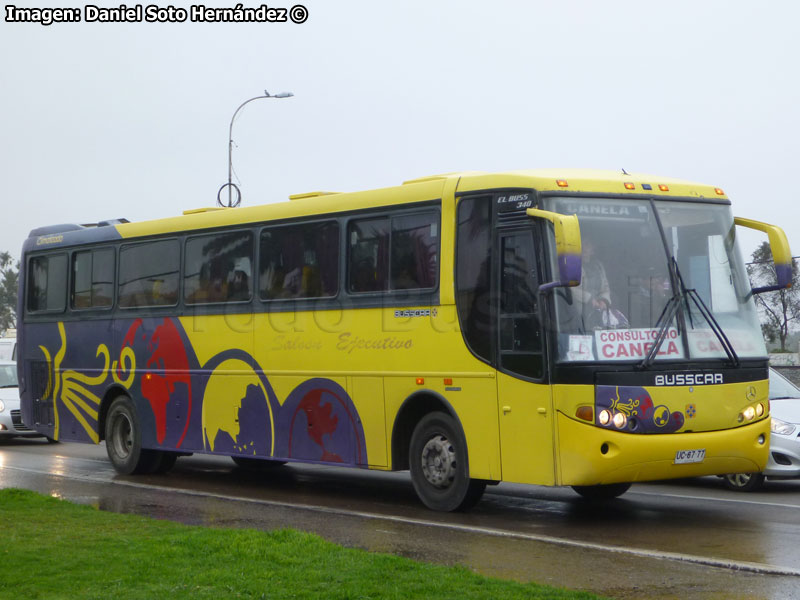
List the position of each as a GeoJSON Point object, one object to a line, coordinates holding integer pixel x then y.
{"type": "Point", "coordinates": [131, 120]}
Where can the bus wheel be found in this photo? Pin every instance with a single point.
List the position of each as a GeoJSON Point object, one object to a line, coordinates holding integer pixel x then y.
{"type": "Point", "coordinates": [602, 492]}
{"type": "Point", "coordinates": [256, 464]}
{"type": "Point", "coordinates": [743, 482]}
{"type": "Point", "coordinates": [439, 467]}
{"type": "Point", "coordinates": [124, 440]}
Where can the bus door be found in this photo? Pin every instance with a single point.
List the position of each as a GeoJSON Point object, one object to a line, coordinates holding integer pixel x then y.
{"type": "Point", "coordinates": [524, 401]}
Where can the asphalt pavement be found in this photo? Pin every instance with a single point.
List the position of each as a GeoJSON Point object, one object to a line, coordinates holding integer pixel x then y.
{"type": "Point", "coordinates": [690, 539]}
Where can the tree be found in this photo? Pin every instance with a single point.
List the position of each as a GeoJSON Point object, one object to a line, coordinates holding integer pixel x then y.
{"type": "Point", "coordinates": [779, 309]}
{"type": "Point", "coordinates": [9, 276]}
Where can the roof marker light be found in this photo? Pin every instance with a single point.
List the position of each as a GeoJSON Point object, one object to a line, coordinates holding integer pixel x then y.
{"type": "Point", "coordinates": [719, 192]}
{"type": "Point", "coordinates": [630, 186]}
{"type": "Point", "coordinates": [562, 183]}
{"type": "Point", "coordinates": [663, 188]}
{"type": "Point", "coordinates": [647, 186]}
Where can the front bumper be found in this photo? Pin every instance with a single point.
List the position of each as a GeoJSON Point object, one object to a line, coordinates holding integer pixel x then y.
{"type": "Point", "coordinates": [11, 425]}
{"type": "Point", "coordinates": [784, 457]}
{"type": "Point", "coordinates": [590, 455]}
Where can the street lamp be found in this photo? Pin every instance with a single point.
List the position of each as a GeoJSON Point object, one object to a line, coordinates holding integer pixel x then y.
{"type": "Point", "coordinates": [230, 185]}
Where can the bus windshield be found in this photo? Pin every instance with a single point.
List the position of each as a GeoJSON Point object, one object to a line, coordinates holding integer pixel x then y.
{"type": "Point", "coordinates": [667, 270]}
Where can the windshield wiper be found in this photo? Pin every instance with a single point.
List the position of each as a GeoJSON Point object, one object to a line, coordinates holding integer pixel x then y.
{"type": "Point", "coordinates": [715, 327]}
{"type": "Point", "coordinates": [664, 320]}
{"type": "Point", "coordinates": [671, 309]}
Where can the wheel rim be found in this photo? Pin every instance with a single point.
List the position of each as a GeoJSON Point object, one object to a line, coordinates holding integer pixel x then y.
{"type": "Point", "coordinates": [739, 479]}
{"type": "Point", "coordinates": [439, 462]}
{"type": "Point", "coordinates": [122, 435]}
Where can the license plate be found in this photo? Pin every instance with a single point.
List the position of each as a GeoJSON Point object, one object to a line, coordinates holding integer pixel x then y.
{"type": "Point", "coordinates": [683, 457]}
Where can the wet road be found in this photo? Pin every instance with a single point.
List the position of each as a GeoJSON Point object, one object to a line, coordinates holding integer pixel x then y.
{"type": "Point", "coordinates": [692, 540]}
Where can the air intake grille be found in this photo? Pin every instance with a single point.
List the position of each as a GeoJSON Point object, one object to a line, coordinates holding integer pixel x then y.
{"type": "Point", "coordinates": [16, 419]}
{"type": "Point", "coordinates": [42, 392]}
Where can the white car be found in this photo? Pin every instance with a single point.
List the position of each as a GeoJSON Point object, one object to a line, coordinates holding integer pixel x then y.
{"type": "Point", "coordinates": [784, 444]}
{"type": "Point", "coordinates": [8, 348]}
{"type": "Point", "coordinates": [10, 417]}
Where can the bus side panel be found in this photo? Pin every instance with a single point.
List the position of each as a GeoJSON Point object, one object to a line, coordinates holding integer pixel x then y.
{"type": "Point", "coordinates": [367, 394]}
{"type": "Point", "coordinates": [474, 404]}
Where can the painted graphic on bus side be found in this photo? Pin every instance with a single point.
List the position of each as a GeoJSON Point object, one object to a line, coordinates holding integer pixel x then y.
{"type": "Point", "coordinates": [226, 405]}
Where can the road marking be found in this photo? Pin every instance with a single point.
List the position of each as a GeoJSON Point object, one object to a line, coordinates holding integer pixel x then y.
{"type": "Point", "coordinates": [714, 499]}
{"type": "Point", "coordinates": [734, 565]}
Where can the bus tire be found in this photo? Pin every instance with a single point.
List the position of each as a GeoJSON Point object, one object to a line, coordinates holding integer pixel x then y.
{"type": "Point", "coordinates": [607, 491]}
{"type": "Point", "coordinates": [124, 440]}
{"type": "Point", "coordinates": [439, 465]}
{"type": "Point", "coordinates": [743, 482]}
{"type": "Point", "coordinates": [256, 464]}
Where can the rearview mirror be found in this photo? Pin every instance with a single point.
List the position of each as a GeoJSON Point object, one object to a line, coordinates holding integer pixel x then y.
{"type": "Point", "coordinates": [781, 253]}
{"type": "Point", "coordinates": [568, 247]}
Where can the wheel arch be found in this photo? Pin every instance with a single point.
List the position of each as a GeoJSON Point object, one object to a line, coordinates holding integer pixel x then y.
{"type": "Point", "coordinates": [414, 408]}
{"type": "Point", "coordinates": [112, 393]}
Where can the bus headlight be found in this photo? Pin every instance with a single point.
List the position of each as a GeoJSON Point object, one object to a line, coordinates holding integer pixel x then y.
{"type": "Point", "coordinates": [620, 420]}
{"type": "Point", "coordinates": [604, 417]}
{"type": "Point", "coordinates": [749, 413]}
{"type": "Point", "coordinates": [781, 427]}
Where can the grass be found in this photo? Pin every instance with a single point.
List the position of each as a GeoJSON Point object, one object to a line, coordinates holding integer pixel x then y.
{"type": "Point", "coordinates": [50, 548]}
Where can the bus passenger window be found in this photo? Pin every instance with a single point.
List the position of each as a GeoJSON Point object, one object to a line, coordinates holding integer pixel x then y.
{"type": "Point", "coordinates": [369, 255]}
{"type": "Point", "coordinates": [218, 268]}
{"type": "Point", "coordinates": [148, 274]}
{"type": "Point", "coordinates": [415, 251]}
{"type": "Point", "coordinates": [93, 279]}
{"type": "Point", "coordinates": [299, 261]}
{"type": "Point", "coordinates": [47, 283]}
{"type": "Point", "coordinates": [409, 242]}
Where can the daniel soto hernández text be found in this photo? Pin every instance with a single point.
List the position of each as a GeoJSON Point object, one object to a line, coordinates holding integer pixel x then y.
{"type": "Point", "coordinates": [153, 13]}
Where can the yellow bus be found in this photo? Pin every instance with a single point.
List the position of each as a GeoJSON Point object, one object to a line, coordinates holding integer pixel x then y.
{"type": "Point", "coordinates": [570, 328]}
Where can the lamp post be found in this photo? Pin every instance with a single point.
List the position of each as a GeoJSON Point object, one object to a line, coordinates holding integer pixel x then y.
{"type": "Point", "coordinates": [230, 185]}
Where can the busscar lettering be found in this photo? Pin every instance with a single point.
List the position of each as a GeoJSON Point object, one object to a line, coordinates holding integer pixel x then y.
{"type": "Point", "coordinates": [49, 239]}
{"type": "Point", "coordinates": [43, 16]}
{"type": "Point", "coordinates": [398, 314]}
{"type": "Point", "coordinates": [689, 379]}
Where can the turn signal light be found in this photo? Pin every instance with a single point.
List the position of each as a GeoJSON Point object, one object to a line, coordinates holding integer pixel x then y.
{"type": "Point", "coordinates": [585, 413]}
{"type": "Point", "coordinates": [420, 380]}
